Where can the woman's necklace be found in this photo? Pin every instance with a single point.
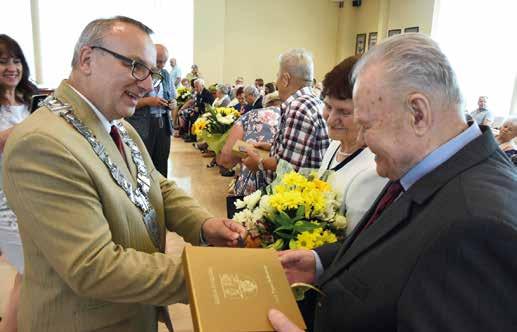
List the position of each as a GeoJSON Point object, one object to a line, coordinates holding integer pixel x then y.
{"type": "Point", "coordinates": [343, 154]}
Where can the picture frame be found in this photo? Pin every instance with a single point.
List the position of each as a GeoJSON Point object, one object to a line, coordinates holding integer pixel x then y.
{"type": "Point", "coordinates": [360, 43]}
{"type": "Point", "coordinates": [372, 39]}
{"type": "Point", "coordinates": [411, 29]}
{"type": "Point", "coordinates": [394, 32]}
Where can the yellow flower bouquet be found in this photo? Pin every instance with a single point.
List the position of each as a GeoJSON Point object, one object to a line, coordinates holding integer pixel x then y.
{"type": "Point", "coordinates": [213, 127]}
{"type": "Point", "coordinates": [298, 210]}
{"type": "Point", "coordinates": [182, 95]}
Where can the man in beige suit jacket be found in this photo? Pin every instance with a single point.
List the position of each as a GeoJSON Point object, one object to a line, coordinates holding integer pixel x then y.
{"type": "Point", "coordinates": [91, 245]}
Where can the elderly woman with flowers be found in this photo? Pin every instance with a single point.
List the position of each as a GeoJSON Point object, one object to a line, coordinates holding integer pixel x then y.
{"type": "Point", "coordinates": [354, 175]}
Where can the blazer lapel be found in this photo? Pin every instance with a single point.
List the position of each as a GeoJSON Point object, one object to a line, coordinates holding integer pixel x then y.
{"type": "Point", "coordinates": [84, 113]}
{"type": "Point", "coordinates": [361, 241]}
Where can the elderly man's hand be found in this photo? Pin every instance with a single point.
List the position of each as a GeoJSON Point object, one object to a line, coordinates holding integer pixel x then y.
{"type": "Point", "coordinates": [223, 232]}
{"type": "Point", "coordinates": [252, 160]}
{"type": "Point", "coordinates": [281, 323]}
{"type": "Point", "coordinates": [299, 265]}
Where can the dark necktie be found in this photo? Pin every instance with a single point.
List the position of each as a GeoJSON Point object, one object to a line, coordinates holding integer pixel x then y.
{"type": "Point", "coordinates": [114, 133]}
{"type": "Point", "coordinates": [393, 191]}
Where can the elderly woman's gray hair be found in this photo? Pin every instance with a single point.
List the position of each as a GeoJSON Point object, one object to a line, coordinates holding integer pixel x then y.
{"type": "Point", "coordinates": [223, 89]}
{"type": "Point", "coordinates": [251, 90]}
{"type": "Point", "coordinates": [298, 63]}
{"type": "Point", "coordinates": [414, 62]}
{"type": "Point", "coordinates": [94, 33]}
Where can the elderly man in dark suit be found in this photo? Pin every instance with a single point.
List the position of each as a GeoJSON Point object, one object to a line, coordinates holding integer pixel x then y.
{"type": "Point", "coordinates": [436, 252]}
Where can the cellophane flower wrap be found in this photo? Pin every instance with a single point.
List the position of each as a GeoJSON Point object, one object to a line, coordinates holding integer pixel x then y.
{"type": "Point", "coordinates": [182, 95]}
{"type": "Point", "coordinates": [213, 127]}
{"type": "Point", "coordinates": [297, 210]}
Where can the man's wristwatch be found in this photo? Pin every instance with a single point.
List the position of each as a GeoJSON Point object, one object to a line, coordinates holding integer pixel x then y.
{"type": "Point", "coordinates": [261, 165]}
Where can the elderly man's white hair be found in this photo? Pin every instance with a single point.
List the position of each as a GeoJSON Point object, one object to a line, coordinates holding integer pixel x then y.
{"type": "Point", "coordinates": [413, 62]}
{"type": "Point", "coordinates": [251, 90]}
{"type": "Point", "coordinates": [298, 63]}
{"type": "Point", "coordinates": [199, 81]}
{"type": "Point", "coordinates": [222, 89]}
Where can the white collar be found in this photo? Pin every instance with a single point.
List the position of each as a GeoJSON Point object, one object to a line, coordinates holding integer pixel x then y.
{"type": "Point", "coordinates": [105, 123]}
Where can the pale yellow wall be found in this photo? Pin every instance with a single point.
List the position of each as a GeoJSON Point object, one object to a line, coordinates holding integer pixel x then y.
{"type": "Point", "coordinates": [380, 16]}
{"type": "Point", "coordinates": [410, 13]}
{"type": "Point", "coordinates": [209, 21]}
{"type": "Point", "coordinates": [250, 35]}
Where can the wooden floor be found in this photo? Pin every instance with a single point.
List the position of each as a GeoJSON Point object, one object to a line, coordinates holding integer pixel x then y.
{"type": "Point", "coordinates": [188, 169]}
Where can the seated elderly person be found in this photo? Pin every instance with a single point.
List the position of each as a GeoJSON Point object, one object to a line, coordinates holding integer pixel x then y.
{"type": "Point", "coordinates": [190, 111]}
{"type": "Point", "coordinates": [253, 98]}
{"type": "Point", "coordinates": [353, 171]}
{"type": "Point", "coordinates": [221, 96]}
{"type": "Point", "coordinates": [507, 134]}
{"type": "Point", "coordinates": [239, 103]}
{"type": "Point", "coordinates": [256, 126]}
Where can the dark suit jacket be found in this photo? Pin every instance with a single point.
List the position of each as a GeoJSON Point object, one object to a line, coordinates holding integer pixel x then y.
{"type": "Point", "coordinates": [440, 258]}
{"type": "Point", "coordinates": [257, 104]}
{"type": "Point", "coordinates": [205, 97]}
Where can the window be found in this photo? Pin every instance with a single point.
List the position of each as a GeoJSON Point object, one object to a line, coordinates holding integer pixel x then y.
{"type": "Point", "coordinates": [171, 20]}
{"type": "Point", "coordinates": [16, 23]}
{"type": "Point", "coordinates": [477, 36]}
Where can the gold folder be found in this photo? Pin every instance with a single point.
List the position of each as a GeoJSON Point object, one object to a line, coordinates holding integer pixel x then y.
{"type": "Point", "coordinates": [232, 289]}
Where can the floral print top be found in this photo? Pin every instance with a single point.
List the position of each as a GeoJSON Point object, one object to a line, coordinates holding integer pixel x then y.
{"type": "Point", "coordinates": [259, 125]}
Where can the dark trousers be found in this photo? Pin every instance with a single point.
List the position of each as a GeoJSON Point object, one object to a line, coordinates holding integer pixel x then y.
{"type": "Point", "coordinates": [158, 144]}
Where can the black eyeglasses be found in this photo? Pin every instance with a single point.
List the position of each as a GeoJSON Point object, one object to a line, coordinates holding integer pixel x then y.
{"type": "Point", "coordinates": [139, 71]}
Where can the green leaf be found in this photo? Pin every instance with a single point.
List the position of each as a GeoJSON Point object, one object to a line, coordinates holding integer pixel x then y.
{"type": "Point", "coordinates": [285, 236]}
{"type": "Point", "coordinates": [306, 226]}
{"type": "Point", "coordinates": [283, 219]}
{"type": "Point", "coordinates": [300, 213]}
{"type": "Point", "coordinates": [282, 228]}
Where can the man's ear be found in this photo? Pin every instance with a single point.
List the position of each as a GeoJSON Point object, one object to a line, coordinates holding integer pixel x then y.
{"type": "Point", "coordinates": [421, 116]}
{"type": "Point", "coordinates": [85, 60]}
{"type": "Point", "coordinates": [285, 79]}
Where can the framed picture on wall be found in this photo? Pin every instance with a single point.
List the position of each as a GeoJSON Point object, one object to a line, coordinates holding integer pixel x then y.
{"type": "Point", "coordinates": [372, 39]}
{"type": "Point", "coordinates": [360, 43]}
{"type": "Point", "coordinates": [412, 29]}
{"type": "Point", "coordinates": [394, 32]}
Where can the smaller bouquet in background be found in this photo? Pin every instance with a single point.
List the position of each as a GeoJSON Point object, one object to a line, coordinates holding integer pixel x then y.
{"type": "Point", "coordinates": [298, 210]}
{"type": "Point", "coordinates": [213, 127]}
{"type": "Point", "coordinates": [182, 95]}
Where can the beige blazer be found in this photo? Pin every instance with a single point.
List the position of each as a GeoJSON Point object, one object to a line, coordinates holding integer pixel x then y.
{"type": "Point", "coordinates": [90, 264]}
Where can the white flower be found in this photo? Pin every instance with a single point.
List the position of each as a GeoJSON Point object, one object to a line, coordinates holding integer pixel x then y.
{"type": "Point", "coordinates": [239, 204]}
{"type": "Point", "coordinates": [265, 206]}
{"type": "Point", "coordinates": [340, 222]}
{"type": "Point", "coordinates": [225, 119]}
{"type": "Point", "coordinates": [252, 199]}
{"type": "Point", "coordinates": [258, 214]}
{"type": "Point", "coordinates": [244, 217]}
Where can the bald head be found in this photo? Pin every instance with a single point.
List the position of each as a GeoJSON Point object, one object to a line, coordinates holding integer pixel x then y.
{"type": "Point", "coordinates": [162, 55]}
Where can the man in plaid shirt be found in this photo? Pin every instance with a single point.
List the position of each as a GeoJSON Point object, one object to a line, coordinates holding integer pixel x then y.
{"type": "Point", "coordinates": [302, 136]}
